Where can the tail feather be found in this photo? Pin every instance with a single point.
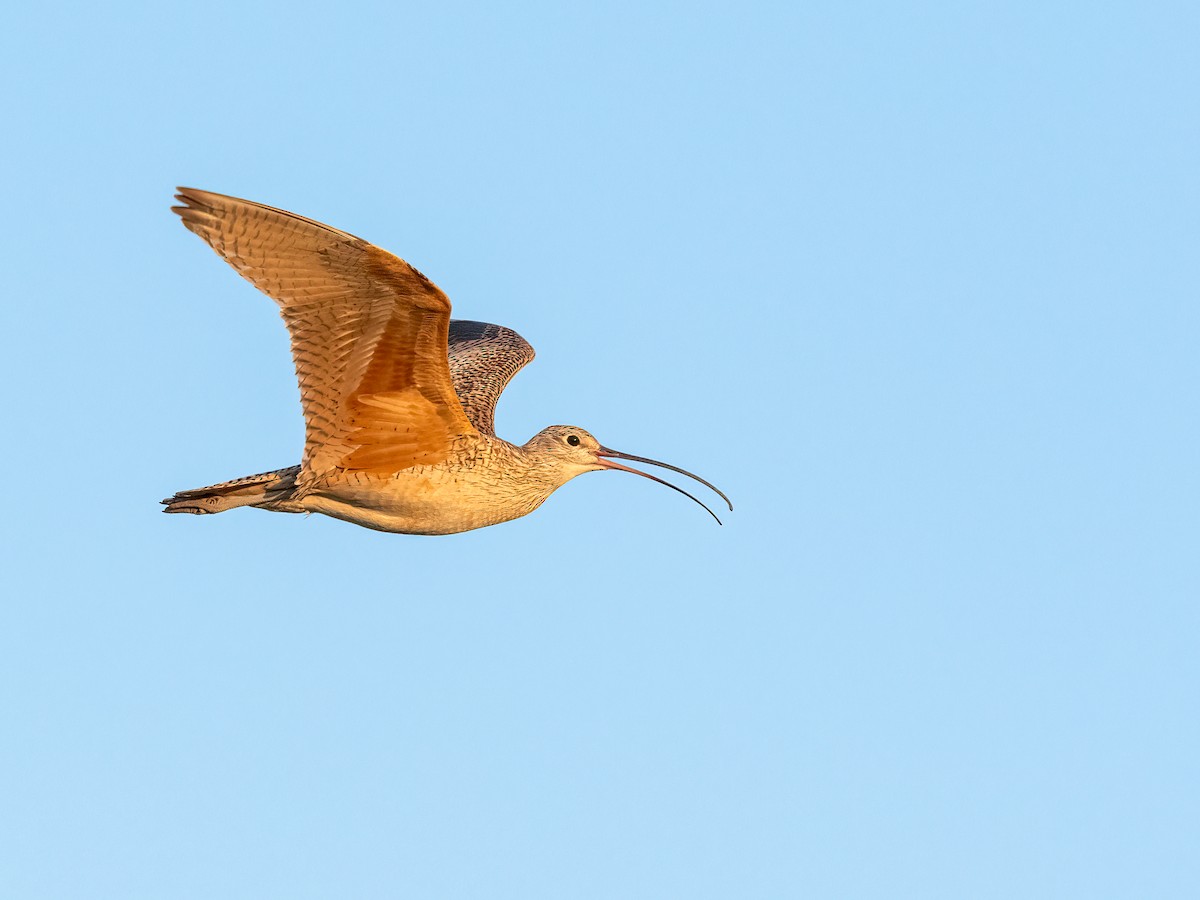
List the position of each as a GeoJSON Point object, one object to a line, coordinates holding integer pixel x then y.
{"type": "Point", "coordinates": [270, 489]}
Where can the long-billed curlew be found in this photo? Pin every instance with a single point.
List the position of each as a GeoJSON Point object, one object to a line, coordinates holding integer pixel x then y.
{"type": "Point", "coordinates": [399, 401]}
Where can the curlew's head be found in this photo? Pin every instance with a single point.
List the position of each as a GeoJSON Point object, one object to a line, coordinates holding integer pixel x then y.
{"type": "Point", "coordinates": [572, 451]}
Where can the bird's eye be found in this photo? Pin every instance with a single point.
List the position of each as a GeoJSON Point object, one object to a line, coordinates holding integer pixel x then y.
{"type": "Point", "coordinates": [573, 440]}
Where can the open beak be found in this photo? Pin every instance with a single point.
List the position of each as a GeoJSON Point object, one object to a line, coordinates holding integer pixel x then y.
{"type": "Point", "coordinates": [605, 456]}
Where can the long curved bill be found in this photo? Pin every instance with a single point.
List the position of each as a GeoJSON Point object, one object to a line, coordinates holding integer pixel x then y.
{"type": "Point", "coordinates": [605, 457]}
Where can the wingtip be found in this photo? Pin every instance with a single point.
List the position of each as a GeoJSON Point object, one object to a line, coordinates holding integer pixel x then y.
{"type": "Point", "coordinates": [193, 199]}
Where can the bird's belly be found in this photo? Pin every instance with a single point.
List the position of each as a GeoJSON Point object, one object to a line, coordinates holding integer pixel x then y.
{"type": "Point", "coordinates": [422, 501]}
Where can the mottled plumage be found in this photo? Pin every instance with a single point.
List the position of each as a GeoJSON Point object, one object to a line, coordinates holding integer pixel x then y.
{"type": "Point", "coordinates": [483, 360]}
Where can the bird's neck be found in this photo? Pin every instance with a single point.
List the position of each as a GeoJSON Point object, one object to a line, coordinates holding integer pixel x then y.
{"type": "Point", "coordinates": [543, 469]}
{"type": "Point", "coordinates": [524, 474]}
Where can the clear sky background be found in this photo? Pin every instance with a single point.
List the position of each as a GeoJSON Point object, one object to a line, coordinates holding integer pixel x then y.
{"type": "Point", "coordinates": [916, 284]}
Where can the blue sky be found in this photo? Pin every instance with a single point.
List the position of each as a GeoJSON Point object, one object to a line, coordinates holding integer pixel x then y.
{"type": "Point", "coordinates": [915, 284]}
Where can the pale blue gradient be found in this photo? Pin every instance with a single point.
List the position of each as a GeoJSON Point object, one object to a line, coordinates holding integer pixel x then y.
{"type": "Point", "coordinates": [916, 284]}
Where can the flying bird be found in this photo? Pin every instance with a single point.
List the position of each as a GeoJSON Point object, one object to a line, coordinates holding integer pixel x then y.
{"type": "Point", "coordinates": [399, 400]}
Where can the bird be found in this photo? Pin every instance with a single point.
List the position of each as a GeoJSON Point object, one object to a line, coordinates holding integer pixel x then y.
{"type": "Point", "coordinates": [398, 399]}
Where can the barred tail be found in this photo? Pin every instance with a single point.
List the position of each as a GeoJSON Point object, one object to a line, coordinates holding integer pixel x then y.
{"type": "Point", "coordinates": [270, 489]}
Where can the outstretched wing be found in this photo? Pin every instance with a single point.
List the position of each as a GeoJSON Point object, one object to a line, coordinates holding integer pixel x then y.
{"type": "Point", "coordinates": [369, 334]}
{"type": "Point", "coordinates": [483, 360]}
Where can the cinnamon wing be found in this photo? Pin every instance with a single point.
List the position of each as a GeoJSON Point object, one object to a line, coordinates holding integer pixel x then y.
{"type": "Point", "coordinates": [369, 334]}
